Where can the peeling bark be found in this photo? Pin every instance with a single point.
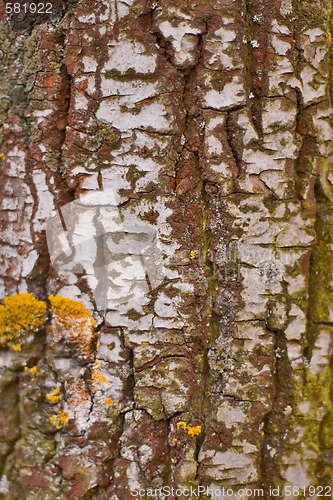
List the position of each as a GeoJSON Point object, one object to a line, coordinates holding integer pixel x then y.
{"type": "Point", "coordinates": [212, 122]}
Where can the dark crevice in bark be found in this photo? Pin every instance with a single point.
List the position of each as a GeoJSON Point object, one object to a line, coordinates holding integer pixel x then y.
{"type": "Point", "coordinates": [234, 141]}
{"type": "Point", "coordinates": [9, 461]}
{"type": "Point", "coordinates": [255, 93]}
{"type": "Point", "coordinates": [276, 420]}
{"type": "Point", "coordinates": [259, 15]}
{"type": "Point", "coordinates": [4, 465]}
{"type": "Point", "coordinates": [67, 95]}
{"type": "Point", "coordinates": [324, 468]}
{"type": "Point", "coordinates": [318, 316]}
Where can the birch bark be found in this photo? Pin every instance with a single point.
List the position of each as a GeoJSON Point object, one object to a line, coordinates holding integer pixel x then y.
{"type": "Point", "coordinates": [211, 120]}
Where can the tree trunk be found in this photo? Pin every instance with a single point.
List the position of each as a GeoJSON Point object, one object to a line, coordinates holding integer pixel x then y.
{"type": "Point", "coordinates": [206, 124]}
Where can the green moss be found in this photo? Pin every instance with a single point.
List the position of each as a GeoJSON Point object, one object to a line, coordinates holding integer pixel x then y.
{"type": "Point", "coordinates": [321, 264]}
{"type": "Point", "coordinates": [133, 315]}
{"type": "Point", "coordinates": [315, 12]}
{"type": "Point", "coordinates": [315, 391]}
{"type": "Point", "coordinates": [133, 175]}
{"type": "Point", "coordinates": [326, 431]}
{"type": "Point", "coordinates": [100, 131]}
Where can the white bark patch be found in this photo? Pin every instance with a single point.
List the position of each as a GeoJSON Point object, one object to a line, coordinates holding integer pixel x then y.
{"type": "Point", "coordinates": [296, 328]}
{"type": "Point", "coordinates": [153, 116]}
{"type": "Point", "coordinates": [313, 89]}
{"type": "Point", "coordinates": [132, 91]}
{"type": "Point", "coordinates": [88, 19]}
{"type": "Point", "coordinates": [219, 45]}
{"type": "Point", "coordinates": [45, 200]}
{"type": "Point", "coordinates": [280, 46]}
{"type": "Point", "coordinates": [278, 112]}
{"type": "Point", "coordinates": [127, 54]}
{"type": "Point", "coordinates": [4, 485]}
{"type": "Point", "coordinates": [297, 474]}
{"type": "Point", "coordinates": [29, 262]}
{"type": "Point", "coordinates": [145, 454]}
{"type": "Point", "coordinates": [214, 144]}
{"type": "Point", "coordinates": [321, 352]}
{"type": "Point", "coordinates": [125, 111]}
{"type": "Point", "coordinates": [165, 306]}
{"type": "Point", "coordinates": [280, 28]}
{"type": "Point", "coordinates": [232, 459]}
{"type": "Point", "coordinates": [314, 33]}
{"type": "Point", "coordinates": [233, 93]}
{"type": "Point", "coordinates": [286, 8]}
{"type": "Point", "coordinates": [15, 161]}
{"type": "Point", "coordinates": [183, 39]}
{"type": "Point", "coordinates": [116, 9]}
{"type": "Point", "coordinates": [89, 64]}
{"type": "Point", "coordinates": [230, 414]}
{"type": "Point", "coordinates": [133, 476]}
{"type": "Point", "coordinates": [41, 114]}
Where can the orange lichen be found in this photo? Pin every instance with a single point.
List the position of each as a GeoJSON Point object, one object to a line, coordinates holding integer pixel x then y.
{"type": "Point", "coordinates": [59, 420]}
{"type": "Point", "coordinates": [98, 380]}
{"type": "Point", "coordinates": [108, 401]}
{"type": "Point", "coordinates": [55, 396]}
{"type": "Point", "coordinates": [192, 430]}
{"type": "Point", "coordinates": [20, 314]}
{"type": "Point", "coordinates": [72, 321]}
{"type": "Point", "coordinates": [77, 395]}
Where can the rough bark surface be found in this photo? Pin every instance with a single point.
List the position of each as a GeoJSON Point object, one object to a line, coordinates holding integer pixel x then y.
{"type": "Point", "coordinates": [211, 119]}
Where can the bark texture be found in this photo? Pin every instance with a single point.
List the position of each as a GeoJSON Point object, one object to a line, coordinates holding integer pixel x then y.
{"type": "Point", "coordinates": [211, 119]}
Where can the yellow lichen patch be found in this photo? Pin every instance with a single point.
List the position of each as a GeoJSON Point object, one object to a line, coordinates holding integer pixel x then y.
{"type": "Point", "coordinates": [33, 369]}
{"type": "Point", "coordinates": [67, 308]}
{"type": "Point", "coordinates": [201, 357]}
{"type": "Point", "coordinates": [73, 322]}
{"type": "Point", "coordinates": [192, 430]}
{"type": "Point", "coordinates": [108, 401]}
{"type": "Point", "coordinates": [193, 254]}
{"type": "Point", "coordinates": [2, 156]}
{"type": "Point", "coordinates": [59, 420]}
{"type": "Point", "coordinates": [54, 397]}
{"type": "Point", "coordinates": [182, 425]}
{"type": "Point", "coordinates": [20, 314]}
